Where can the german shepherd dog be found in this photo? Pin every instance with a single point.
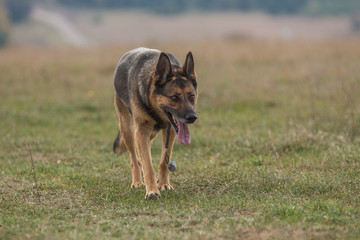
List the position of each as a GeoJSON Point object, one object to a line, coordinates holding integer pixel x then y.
{"type": "Point", "coordinates": [151, 91]}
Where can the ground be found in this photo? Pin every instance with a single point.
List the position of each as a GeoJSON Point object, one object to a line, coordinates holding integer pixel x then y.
{"type": "Point", "coordinates": [274, 154]}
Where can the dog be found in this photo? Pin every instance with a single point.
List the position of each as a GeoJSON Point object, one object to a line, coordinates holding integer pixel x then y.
{"type": "Point", "coordinates": [153, 90]}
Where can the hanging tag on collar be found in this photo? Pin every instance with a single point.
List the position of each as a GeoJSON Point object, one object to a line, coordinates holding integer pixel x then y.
{"type": "Point", "coordinates": [172, 166]}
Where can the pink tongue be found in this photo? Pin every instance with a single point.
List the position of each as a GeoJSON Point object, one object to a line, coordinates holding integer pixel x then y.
{"type": "Point", "coordinates": [184, 133]}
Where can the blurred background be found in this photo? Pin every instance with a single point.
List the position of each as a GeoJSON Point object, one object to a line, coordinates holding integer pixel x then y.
{"type": "Point", "coordinates": [89, 23]}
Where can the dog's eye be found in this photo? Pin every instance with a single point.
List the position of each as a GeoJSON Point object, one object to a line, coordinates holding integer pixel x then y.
{"type": "Point", "coordinates": [175, 98]}
{"type": "Point", "coordinates": [192, 98]}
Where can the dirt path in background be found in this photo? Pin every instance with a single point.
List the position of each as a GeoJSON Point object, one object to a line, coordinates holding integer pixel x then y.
{"type": "Point", "coordinates": [62, 25]}
{"type": "Point", "coordinates": [87, 28]}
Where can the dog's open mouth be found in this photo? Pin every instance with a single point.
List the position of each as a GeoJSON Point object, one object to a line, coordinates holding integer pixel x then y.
{"type": "Point", "coordinates": [182, 129]}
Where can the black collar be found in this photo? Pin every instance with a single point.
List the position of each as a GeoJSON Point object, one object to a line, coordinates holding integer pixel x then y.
{"type": "Point", "coordinates": [160, 124]}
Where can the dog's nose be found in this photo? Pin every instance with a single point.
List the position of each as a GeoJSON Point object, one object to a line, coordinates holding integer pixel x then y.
{"type": "Point", "coordinates": [191, 118]}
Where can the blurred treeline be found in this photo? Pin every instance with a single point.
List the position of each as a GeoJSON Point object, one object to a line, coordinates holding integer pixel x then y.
{"type": "Point", "coordinates": [12, 11]}
{"type": "Point", "coordinates": [170, 7]}
{"type": "Point", "coordinates": [309, 7]}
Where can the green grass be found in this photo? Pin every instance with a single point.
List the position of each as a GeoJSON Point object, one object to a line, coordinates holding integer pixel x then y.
{"type": "Point", "coordinates": [275, 153]}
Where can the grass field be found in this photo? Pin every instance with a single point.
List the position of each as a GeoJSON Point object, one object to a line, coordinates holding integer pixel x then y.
{"type": "Point", "coordinates": [275, 153]}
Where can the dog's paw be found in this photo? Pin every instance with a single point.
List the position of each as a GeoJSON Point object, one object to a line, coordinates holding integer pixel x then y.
{"type": "Point", "coordinates": [165, 186]}
{"type": "Point", "coordinates": [152, 195]}
{"type": "Point", "coordinates": [137, 184]}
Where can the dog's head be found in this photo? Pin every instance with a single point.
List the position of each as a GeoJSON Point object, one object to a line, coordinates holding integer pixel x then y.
{"type": "Point", "coordinates": [175, 93]}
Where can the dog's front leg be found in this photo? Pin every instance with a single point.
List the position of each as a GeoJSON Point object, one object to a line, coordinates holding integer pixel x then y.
{"type": "Point", "coordinates": [164, 179]}
{"type": "Point", "coordinates": [143, 144]}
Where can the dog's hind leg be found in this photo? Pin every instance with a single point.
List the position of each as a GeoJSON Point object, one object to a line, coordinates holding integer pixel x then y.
{"type": "Point", "coordinates": [126, 137]}
{"type": "Point", "coordinates": [119, 145]}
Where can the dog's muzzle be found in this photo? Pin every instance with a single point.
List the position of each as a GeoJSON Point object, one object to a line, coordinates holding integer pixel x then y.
{"type": "Point", "coordinates": [191, 118]}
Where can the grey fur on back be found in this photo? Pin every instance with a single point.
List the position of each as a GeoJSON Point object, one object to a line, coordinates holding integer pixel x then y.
{"type": "Point", "coordinates": [134, 71]}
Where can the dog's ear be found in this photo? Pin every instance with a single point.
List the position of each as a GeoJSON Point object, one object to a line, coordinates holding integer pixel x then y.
{"type": "Point", "coordinates": [163, 69]}
{"type": "Point", "coordinates": [188, 67]}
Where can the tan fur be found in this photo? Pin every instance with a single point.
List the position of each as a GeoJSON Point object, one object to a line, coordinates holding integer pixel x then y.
{"type": "Point", "coordinates": [126, 127]}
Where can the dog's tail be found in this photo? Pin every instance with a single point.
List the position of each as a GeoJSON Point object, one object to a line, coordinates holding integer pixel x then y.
{"type": "Point", "coordinates": [119, 145]}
